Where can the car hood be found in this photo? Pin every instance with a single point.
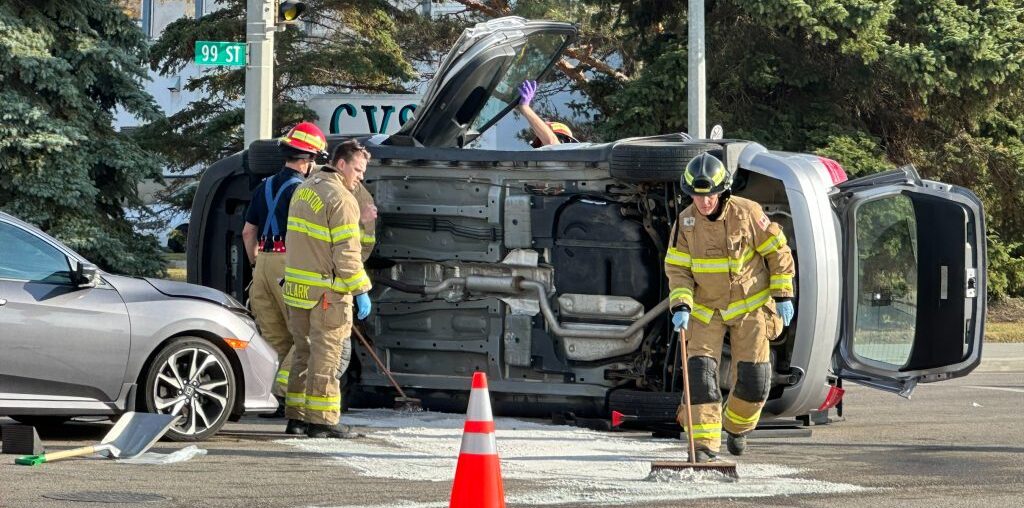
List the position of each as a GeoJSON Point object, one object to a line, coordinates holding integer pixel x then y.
{"type": "Point", "coordinates": [185, 290]}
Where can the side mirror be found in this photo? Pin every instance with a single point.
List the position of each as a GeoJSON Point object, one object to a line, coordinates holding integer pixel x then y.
{"type": "Point", "coordinates": [85, 275]}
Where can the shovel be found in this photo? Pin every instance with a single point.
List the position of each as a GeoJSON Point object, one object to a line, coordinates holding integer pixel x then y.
{"type": "Point", "coordinates": [131, 436]}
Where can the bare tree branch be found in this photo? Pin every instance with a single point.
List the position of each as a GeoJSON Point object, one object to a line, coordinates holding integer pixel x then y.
{"type": "Point", "coordinates": [588, 60]}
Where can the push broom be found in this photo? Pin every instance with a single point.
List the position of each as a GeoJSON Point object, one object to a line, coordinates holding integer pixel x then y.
{"type": "Point", "coordinates": [726, 468]}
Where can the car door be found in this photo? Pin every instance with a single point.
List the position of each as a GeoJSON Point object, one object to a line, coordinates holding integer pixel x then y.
{"type": "Point", "coordinates": [60, 342]}
{"type": "Point", "coordinates": [914, 281]}
{"type": "Point", "coordinates": [477, 83]}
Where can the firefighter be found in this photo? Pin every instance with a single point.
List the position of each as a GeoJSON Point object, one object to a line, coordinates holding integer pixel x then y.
{"type": "Point", "coordinates": [729, 270]}
{"type": "Point", "coordinates": [264, 238]}
{"type": "Point", "coordinates": [323, 274]}
{"type": "Point", "coordinates": [367, 226]}
{"type": "Point", "coordinates": [545, 133]}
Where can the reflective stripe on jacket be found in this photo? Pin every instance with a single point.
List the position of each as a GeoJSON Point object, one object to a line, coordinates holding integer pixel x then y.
{"type": "Point", "coordinates": [733, 265]}
{"type": "Point", "coordinates": [323, 248]}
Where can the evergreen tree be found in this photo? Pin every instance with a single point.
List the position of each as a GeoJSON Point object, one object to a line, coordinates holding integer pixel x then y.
{"type": "Point", "coordinates": [65, 68]}
{"type": "Point", "coordinates": [340, 46]}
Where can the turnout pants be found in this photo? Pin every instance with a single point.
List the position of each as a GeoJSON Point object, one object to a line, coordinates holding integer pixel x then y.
{"type": "Point", "coordinates": [751, 374]}
{"type": "Point", "coordinates": [267, 302]}
{"type": "Point", "coordinates": [328, 326]}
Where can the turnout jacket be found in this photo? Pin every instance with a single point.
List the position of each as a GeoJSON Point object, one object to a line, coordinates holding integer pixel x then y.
{"type": "Point", "coordinates": [323, 247]}
{"type": "Point", "coordinates": [732, 265]}
{"type": "Point", "coordinates": [368, 229]}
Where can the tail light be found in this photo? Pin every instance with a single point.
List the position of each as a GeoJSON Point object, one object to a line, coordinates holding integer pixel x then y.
{"type": "Point", "coordinates": [834, 170]}
{"type": "Point", "coordinates": [835, 395]}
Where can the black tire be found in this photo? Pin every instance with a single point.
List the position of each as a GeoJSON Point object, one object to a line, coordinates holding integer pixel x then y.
{"type": "Point", "coordinates": [210, 391]}
{"type": "Point", "coordinates": [41, 420]}
{"type": "Point", "coordinates": [654, 159]}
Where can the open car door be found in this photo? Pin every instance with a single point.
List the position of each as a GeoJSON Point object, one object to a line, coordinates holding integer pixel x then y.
{"type": "Point", "coordinates": [477, 83]}
{"type": "Point", "coordinates": [914, 281]}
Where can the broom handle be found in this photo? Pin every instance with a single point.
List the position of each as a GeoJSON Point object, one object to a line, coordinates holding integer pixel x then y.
{"type": "Point", "coordinates": [686, 397]}
{"type": "Point", "coordinates": [369, 348]}
{"type": "Point", "coordinates": [67, 454]}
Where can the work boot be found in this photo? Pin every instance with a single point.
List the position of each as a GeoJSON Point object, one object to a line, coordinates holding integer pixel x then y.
{"type": "Point", "coordinates": [295, 427]}
{"type": "Point", "coordinates": [704, 455]}
{"type": "Point", "coordinates": [339, 431]}
{"type": "Point", "coordinates": [736, 443]}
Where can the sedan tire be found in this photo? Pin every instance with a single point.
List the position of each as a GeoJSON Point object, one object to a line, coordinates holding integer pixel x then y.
{"type": "Point", "coordinates": [193, 378]}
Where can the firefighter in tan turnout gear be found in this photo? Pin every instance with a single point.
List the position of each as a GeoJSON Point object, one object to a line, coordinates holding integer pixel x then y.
{"type": "Point", "coordinates": [264, 238]}
{"type": "Point", "coordinates": [323, 273]}
{"type": "Point", "coordinates": [368, 227]}
{"type": "Point", "coordinates": [729, 270]}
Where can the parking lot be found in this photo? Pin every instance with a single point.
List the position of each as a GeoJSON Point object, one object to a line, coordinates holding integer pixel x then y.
{"type": "Point", "coordinates": [888, 452]}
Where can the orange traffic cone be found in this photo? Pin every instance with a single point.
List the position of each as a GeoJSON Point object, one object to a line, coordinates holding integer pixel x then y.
{"type": "Point", "coordinates": [478, 474]}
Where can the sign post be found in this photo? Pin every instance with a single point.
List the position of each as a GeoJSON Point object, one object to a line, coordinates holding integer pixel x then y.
{"type": "Point", "coordinates": [229, 54]}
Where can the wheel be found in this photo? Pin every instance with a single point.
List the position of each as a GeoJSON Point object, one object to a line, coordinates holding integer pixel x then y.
{"type": "Point", "coordinates": [193, 378]}
{"type": "Point", "coordinates": [41, 420]}
{"type": "Point", "coordinates": [654, 159]}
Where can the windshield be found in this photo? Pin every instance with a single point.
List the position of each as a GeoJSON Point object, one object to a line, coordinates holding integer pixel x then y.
{"type": "Point", "coordinates": [530, 62]}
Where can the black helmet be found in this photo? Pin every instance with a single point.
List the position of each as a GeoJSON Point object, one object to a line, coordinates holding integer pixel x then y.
{"type": "Point", "coordinates": [705, 175]}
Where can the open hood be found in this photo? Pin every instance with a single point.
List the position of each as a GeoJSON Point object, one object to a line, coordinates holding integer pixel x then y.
{"type": "Point", "coordinates": [476, 84]}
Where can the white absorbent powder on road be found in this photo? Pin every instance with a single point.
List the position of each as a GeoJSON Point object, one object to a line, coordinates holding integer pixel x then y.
{"type": "Point", "coordinates": [561, 464]}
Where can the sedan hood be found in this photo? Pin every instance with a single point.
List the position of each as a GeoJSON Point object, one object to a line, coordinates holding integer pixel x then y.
{"type": "Point", "coordinates": [185, 290]}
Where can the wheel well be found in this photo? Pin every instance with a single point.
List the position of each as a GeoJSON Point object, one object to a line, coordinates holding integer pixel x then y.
{"type": "Point", "coordinates": [217, 342]}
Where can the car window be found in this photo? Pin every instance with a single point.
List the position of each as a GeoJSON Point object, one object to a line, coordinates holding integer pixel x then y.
{"type": "Point", "coordinates": [533, 59]}
{"type": "Point", "coordinates": [24, 256]}
{"type": "Point", "coordinates": [887, 260]}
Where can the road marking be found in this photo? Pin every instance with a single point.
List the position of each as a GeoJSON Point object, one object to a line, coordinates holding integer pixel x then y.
{"type": "Point", "coordinates": [997, 388]}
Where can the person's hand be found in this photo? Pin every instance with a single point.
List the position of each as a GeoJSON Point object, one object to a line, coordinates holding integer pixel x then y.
{"type": "Point", "coordinates": [680, 319]}
{"type": "Point", "coordinates": [786, 310]}
{"type": "Point", "coordinates": [368, 213]}
{"type": "Point", "coordinates": [363, 305]}
{"type": "Point", "coordinates": [527, 91]}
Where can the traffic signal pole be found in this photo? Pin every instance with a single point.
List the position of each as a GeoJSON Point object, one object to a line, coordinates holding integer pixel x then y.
{"type": "Point", "coordinates": [259, 73]}
{"type": "Point", "coordinates": [696, 104]}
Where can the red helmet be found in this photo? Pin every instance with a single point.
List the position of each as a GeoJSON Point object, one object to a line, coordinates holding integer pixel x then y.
{"type": "Point", "coordinates": [304, 139]}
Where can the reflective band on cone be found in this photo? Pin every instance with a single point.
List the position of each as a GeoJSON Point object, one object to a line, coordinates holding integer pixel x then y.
{"type": "Point", "coordinates": [478, 473]}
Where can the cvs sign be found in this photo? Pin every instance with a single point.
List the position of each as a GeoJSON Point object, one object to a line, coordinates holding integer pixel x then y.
{"type": "Point", "coordinates": [363, 113]}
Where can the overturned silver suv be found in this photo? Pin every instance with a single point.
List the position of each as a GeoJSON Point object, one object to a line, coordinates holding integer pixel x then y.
{"type": "Point", "coordinates": [544, 268]}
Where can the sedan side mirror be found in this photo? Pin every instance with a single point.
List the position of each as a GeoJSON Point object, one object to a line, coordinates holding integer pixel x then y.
{"type": "Point", "coordinates": [85, 275]}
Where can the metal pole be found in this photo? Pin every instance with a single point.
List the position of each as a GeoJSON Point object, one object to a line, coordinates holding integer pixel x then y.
{"type": "Point", "coordinates": [696, 104]}
{"type": "Point", "coordinates": [259, 73]}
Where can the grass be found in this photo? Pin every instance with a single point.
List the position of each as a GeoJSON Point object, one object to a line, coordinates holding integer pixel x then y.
{"type": "Point", "coordinates": [1004, 332]}
{"type": "Point", "coordinates": [176, 274]}
{"type": "Point", "coordinates": [1005, 321]}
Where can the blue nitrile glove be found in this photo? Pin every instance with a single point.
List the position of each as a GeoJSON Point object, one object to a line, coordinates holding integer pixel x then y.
{"type": "Point", "coordinates": [526, 92]}
{"type": "Point", "coordinates": [364, 305]}
{"type": "Point", "coordinates": [785, 309]}
{"type": "Point", "coordinates": [680, 319]}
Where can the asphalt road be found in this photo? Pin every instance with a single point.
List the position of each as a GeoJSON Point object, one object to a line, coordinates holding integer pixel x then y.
{"type": "Point", "coordinates": [956, 443]}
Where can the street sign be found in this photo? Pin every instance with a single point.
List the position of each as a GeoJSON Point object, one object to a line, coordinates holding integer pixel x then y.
{"type": "Point", "coordinates": [231, 54]}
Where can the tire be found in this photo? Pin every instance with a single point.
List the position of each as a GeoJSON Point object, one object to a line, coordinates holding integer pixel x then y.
{"type": "Point", "coordinates": [653, 159]}
{"type": "Point", "coordinates": [41, 420]}
{"type": "Point", "coordinates": [210, 388]}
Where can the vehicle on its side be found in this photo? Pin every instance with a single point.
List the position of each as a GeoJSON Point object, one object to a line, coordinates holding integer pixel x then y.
{"type": "Point", "coordinates": [78, 341]}
{"type": "Point", "coordinates": [544, 268]}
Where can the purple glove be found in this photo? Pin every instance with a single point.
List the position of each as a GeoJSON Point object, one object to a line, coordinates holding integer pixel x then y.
{"type": "Point", "coordinates": [526, 92]}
